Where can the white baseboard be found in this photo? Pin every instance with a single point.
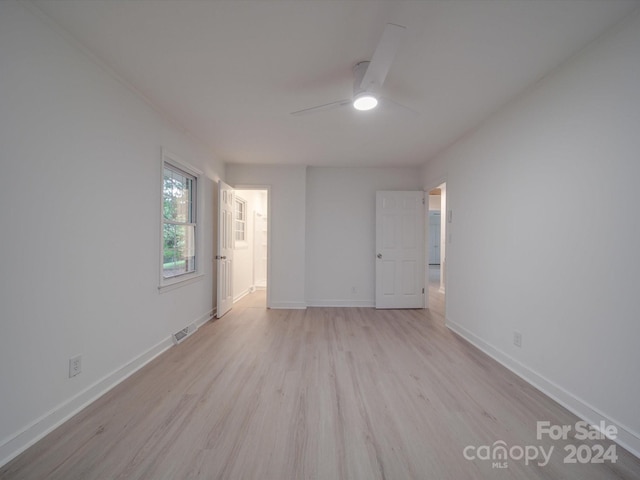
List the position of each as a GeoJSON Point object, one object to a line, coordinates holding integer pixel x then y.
{"type": "Point", "coordinates": [626, 437]}
{"type": "Point", "coordinates": [241, 295]}
{"type": "Point", "coordinates": [288, 305]}
{"type": "Point", "coordinates": [17, 443]}
{"type": "Point", "coordinates": [206, 317]}
{"type": "Point", "coordinates": [341, 303]}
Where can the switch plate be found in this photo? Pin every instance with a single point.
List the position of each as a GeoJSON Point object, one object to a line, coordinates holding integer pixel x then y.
{"type": "Point", "coordinates": [75, 366]}
{"type": "Point", "coordinates": [517, 339]}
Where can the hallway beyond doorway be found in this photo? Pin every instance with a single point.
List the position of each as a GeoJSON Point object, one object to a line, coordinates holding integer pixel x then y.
{"type": "Point", "coordinates": [255, 299]}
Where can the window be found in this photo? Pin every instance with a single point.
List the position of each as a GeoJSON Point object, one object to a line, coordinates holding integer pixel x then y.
{"type": "Point", "coordinates": [179, 220]}
{"type": "Point", "coordinates": [240, 220]}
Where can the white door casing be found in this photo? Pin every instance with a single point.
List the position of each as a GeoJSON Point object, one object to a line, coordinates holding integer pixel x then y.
{"type": "Point", "coordinates": [400, 249]}
{"type": "Point", "coordinates": [224, 258]}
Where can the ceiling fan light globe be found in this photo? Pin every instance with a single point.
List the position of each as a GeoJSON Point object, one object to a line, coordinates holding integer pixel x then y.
{"type": "Point", "coordinates": [364, 102]}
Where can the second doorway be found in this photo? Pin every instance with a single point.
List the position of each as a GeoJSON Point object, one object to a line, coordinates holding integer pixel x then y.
{"type": "Point", "coordinates": [251, 224]}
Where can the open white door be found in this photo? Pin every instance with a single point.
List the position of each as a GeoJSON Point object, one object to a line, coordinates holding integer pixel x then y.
{"type": "Point", "coordinates": [400, 250]}
{"type": "Point", "coordinates": [224, 257]}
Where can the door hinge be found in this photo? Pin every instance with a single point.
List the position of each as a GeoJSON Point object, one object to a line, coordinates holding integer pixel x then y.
{"type": "Point", "coordinates": [423, 200]}
{"type": "Point", "coordinates": [423, 291]}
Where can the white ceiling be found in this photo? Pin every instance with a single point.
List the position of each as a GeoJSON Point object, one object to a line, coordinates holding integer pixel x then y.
{"type": "Point", "coordinates": [230, 72]}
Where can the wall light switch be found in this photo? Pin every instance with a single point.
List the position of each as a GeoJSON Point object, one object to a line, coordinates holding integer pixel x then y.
{"type": "Point", "coordinates": [517, 339]}
{"type": "Point", "coordinates": [75, 366]}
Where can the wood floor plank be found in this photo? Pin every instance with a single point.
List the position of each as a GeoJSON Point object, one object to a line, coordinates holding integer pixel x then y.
{"type": "Point", "coordinates": [326, 393]}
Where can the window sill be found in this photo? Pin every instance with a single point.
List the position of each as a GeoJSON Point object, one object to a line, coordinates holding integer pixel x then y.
{"type": "Point", "coordinates": [182, 281]}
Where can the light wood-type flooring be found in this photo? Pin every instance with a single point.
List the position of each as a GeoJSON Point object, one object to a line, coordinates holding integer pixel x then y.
{"type": "Point", "coordinates": [326, 393]}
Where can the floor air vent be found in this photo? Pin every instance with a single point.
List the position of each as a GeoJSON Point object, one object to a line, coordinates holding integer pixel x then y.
{"type": "Point", "coordinates": [184, 333]}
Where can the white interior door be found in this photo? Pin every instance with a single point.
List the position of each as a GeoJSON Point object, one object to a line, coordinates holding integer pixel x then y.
{"type": "Point", "coordinates": [224, 257]}
{"type": "Point", "coordinates": [400, 249]}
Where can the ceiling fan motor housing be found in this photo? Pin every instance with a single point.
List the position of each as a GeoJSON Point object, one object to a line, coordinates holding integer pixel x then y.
{"type": "Point", "coordinates": [363, 96]}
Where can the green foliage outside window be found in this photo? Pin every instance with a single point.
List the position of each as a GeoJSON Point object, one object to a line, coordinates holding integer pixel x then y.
{"type": "Point", "coordinates": [178, 223]}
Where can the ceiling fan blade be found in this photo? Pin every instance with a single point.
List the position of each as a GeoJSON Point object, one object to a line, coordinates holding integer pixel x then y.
{"type": "Point", "coordinates": [323, 108]}
{"type": "Point", "coordinates": [382, 57]}
{"type": "Point", "coordinates": [389, 104]}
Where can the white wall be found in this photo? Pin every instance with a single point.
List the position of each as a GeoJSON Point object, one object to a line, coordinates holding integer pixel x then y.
{"type": "Point", "coordinates": [322, 229]}
{"type": "Point", "coordinates": [286, 224]}
{"type": "Point", "coordinates": [80, 196]}
{"type": "Point", "coordinates": [555, 261]}
{"type": "Point", "coordinates": [340, 235]}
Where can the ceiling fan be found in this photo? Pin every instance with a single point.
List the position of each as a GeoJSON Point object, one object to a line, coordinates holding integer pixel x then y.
{"type": "Point", "coordinates": [369, 76]}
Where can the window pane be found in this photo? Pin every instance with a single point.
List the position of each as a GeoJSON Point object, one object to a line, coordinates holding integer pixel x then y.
{"type": "Point", "coordinates": [177, 197]}
{"type": "Point", "coordinates": [179, 250]}
{"type": "Point", "coordinates": [178, 221]}
{"type": "Point", "coordinates": [240, 209]}
{"type": "Point", "coordinates": [240, 231]}
{"type": "Point", "coordinates": [240, 220]}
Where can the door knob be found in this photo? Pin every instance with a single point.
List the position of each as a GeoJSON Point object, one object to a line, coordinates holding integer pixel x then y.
{"type": "Point", "coordinates": [379, 255]}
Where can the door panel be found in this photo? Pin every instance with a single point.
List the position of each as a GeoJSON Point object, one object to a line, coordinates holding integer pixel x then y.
{"type": "Point", "coordinates": [400, 249]}
{"type": "Point", "coordinates": [225, 249]}
{"type": "Point", "coordinates": [409, 278]}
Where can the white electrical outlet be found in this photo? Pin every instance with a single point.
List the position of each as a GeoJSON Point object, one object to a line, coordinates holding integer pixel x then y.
{"type": "Point", "coordinates": [517, 339]}
{"type": "Point", "coordinates": [75, 365]}
{"type": "Point", "coordinates": [354, 290]}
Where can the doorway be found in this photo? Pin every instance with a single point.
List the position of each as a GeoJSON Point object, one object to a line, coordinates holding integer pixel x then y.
{"type": "Point", "coordinates": [251, 246]}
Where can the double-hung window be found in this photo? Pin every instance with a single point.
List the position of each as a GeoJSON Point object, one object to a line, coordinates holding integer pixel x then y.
{"type": "Point", "coordinates": [179, 221]}
{"type": "Point", "coordinates": [240, 221]}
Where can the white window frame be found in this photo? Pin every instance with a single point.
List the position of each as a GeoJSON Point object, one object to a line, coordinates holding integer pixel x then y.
{"type": "Point", "coordinates": [240, 243]}
{"type": "Point", "coordinates": [171, 283]}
